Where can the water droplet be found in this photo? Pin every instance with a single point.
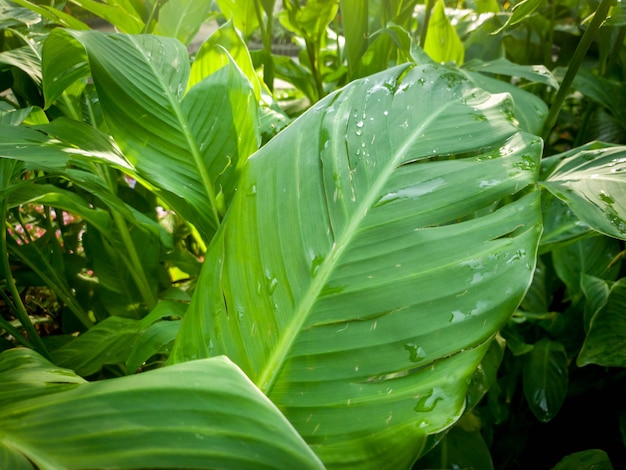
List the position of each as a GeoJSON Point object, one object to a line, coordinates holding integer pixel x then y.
{"type": "Point", "coordinates": [251, 190]}
{"type": "Point", "coordinates": [316, 262]}
{"type": "Point", "coordinates": [457, 316]}
{"type": "Point", "coordinates": [359, 124]}
{"type": "Point", "coordinates": [271, 286]}
{"type": "Point", "coordinates": [416, 353]}
{"type": "Point", "coordinates": [359, 132]}
{"type": "Point", "coordinates": [429, 400]}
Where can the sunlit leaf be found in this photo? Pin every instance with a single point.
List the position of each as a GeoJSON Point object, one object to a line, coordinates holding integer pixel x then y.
{"type": "Point", "coordinates": [348, 279]}
{"type": "Point", "coordinates": [592, 182]}
{"type": "Point", "coordinates": [442, 42]}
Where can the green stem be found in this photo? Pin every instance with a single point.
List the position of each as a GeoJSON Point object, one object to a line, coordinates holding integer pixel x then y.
{"type": "Point", "coordinates": [5, 325]}
{"type": "Point", "coordinates": [577, 60]}
{"type": "Point", "coordinates": [19, 310]}
{"type": "Point", "coordinates": [429, 9]}
{"type": "Point", "coordinates": [133, 262]}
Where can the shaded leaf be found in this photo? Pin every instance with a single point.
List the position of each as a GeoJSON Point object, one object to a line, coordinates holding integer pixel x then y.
{"type": "Point", "coordinates": [546, 378]}
{"type": "Point", "coordinates": [149, 342]}
{"type": "Point", "coordinates": [107, 343]}
{"type": "Point", "coordinates": [588, 459]}
{"type": "Point", "coordinates": [605, 343]}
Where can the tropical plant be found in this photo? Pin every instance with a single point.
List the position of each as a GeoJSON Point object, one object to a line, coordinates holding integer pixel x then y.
{"type": "Point", "coordinates": [351, 288]}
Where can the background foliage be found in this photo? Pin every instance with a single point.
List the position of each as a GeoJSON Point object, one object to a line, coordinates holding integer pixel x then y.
{"type": "Point", "coordinates": [407, 251]}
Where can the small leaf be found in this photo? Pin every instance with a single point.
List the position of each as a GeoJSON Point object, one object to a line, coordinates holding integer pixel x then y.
{"type": "Point", "coordinates": [546, 378]}
{"type": "Point", "coordinates": [605, 343]}
{"type": "Point", "coordinates": [107, 343]}
{"type": "Point", "coordinates": [593, 459]}
{"type": "Point", "coordinates": [149, 342]}
{"type": "Point", "coordinates": [520, 12]}
{"type": "Point", "coordinates": [460, 448]}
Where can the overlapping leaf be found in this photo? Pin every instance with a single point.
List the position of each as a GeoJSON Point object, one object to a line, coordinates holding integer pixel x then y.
{"type": "Point", "coordinates": [371, 253]}
{"type": "Point", "coordinates": [202, 414]}
{"type": "Point", "coordinates": [189, 145]}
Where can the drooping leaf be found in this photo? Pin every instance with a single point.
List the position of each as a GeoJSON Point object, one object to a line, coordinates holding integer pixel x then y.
{"type": "Point", "coordinates": [605, 343]}
{"type": "Point", "coordinates": [591, 181]}
{"type": "Point", "coordinates": [48, 12]}
{"type": "Point", "coordinates": [202, 414]}
{"type": "Point", "coordinates": [442, 41]}
{"type": "Point", "coordinates": [546, 378]}
{"type": "Point", "coordinates": [349, 277]}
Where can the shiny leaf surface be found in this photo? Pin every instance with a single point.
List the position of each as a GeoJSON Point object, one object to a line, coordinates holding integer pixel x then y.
{"type": "Point", "coordinates": [202, 414]}
{"type": "Point", "coordinates": [349, 278]}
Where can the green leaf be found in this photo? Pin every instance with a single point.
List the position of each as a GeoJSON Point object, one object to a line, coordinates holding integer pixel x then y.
{"type": "Point", "coordinates": [596, 292]}
{"type": "Point", "coordinates": [222, 47]}
{"type": "Point", "coordinates": [107, 343]}
{"type": "Point", "coordinates": [592, 256]}
{"type": "Point", "coordinates": [242, 13]}
{"type": "Point", "coordinates": [125, 20]}
{"type": "Point", "coordinates": [25, 59]}
{"type": "Point", "coordinates": [48, 12]}
{"type": "Point", "coordinates": [591, 182]}
{"type": "Point", "coordinates": [529, 110]}
{"type": "Point", "coordinates": [372, 251]}
{"type": "Point", "coordinates": [24, 374]}
{"type": "Point", "coordinates": [520, 12]}
{"type": "Point", "coordinates": [181, 19]}
{"type": "Point", "coordinates": [354, 19]}
{"type": "Point", "coordinates": [605, 343]}
{"type": "Point", "coordinates": [460, 448]}
{"type": "Point", "coordinates": [560, 224]}
{"type": "Point", "coordinates": [546, 378]}
{"type": "Point", "coordinates": [202, 414]}
{"type": "Point", "coordinates": [502, 66]}
{"type": "Point", "coordinates": [149, 342]}
{"type": "Point", "coordinates": [590, 459]}
{"type": "Point", "coordinates": [442, 41]}
{"type": "Point", "coordinates": [171, 139]}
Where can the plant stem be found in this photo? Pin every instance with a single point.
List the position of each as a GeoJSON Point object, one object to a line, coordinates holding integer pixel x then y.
{"type": "Point", "coordinates": [429, 9]}
{"type": "Point", "coordinates": [577, 60]}
{"type": "Point", "coordinates": [10, 328]}
{"type": "Point", "coordinates": [19, 310]}
{"type": "Point", "coordinates": [133, 262]}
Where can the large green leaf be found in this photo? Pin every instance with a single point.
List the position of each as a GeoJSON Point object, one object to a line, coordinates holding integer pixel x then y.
{"type": "Point", "coordinates": [591, 181]}
{"type": "Point", "coordinates": [202, 414]}
{"type": "Point", "coordinates": [190, 145]}
{"type": "Point", "coordinates": [373, 249]}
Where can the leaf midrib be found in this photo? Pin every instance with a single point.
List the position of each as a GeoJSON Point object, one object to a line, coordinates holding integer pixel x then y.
{"type": "Point", "coordinates": [191, 143]}
{"type": "Point", "coordinates": [270, 372]}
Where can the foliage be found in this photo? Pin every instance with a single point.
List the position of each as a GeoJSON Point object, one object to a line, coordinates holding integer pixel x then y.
{"type": "Point", "coordinates": [410, 256]}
